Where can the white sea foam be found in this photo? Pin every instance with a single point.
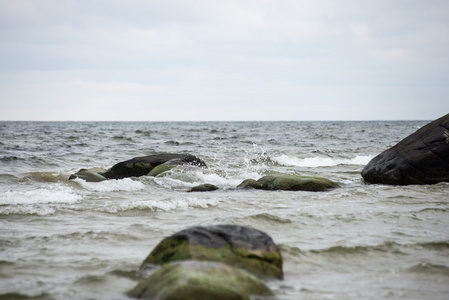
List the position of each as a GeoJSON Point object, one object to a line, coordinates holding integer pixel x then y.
{"type": "Point", "coordinates": [39, 196]}
{"type": "Point", "coordinates": [318, 161]}
{"type": "Point", "coordinates": [126, 184]}
{"type": "Point", "coordinates": [163, 204]}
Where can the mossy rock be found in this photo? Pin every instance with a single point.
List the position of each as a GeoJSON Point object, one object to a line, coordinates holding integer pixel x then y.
{"type": "Point", "coordinates": [192, 280]}
{"type": "Point", "coordinates": [250, 183]}
{"type": "Point", "coordinates": [206, 187]}
{"type": "Point", "coordinates": [140, 166]}
{"type": "Point", "coordinates": [239, 246]}
{"type": "Point", "coordinates": [291, 182]}
{"type": "Point", "coordinates": [160, 169]}
{"type": "Point", "coordinates": [87, 175]}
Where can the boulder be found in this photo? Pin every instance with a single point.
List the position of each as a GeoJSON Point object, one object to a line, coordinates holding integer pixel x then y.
{"type": "Point", "coordinates": [420, 158]}
{"type": "Point", "coordinates": [88, 175]}
{"type": "Point", "coordinates": [290, 182]}
{"type": "Point", "coordinates": [235, 245]}
{"type": "Point", "coordinates": [192, 280]}
{"type": "Point", "coordinates": [140, 166]}
{"type": "Point", "coordinates": [206, 187]}
{"type": "Point", "coordinates": [250, 183]}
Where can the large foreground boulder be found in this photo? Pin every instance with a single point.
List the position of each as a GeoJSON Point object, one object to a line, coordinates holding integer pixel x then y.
{"type": "Point", "coordinates": [192, 280]}
{"type": "Point", "coordinates": [239, 246]}
{"type": "Point", "coordinates": [140, 166]}
{"type": "Point", "coordinates": [421, 158]}
{"type": "Point", "coordinates": [290, 182]}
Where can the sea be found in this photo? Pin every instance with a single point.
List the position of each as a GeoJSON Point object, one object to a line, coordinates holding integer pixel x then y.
{"type": "Point", "coordinates": [71, 239]}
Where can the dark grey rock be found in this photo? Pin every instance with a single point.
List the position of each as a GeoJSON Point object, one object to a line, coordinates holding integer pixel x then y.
{"type": "Point", "coordinates": [420, 158]}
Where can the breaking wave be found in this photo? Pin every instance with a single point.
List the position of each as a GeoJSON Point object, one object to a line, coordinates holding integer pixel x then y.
{"type": "Point", "coordinates": [318, 161]}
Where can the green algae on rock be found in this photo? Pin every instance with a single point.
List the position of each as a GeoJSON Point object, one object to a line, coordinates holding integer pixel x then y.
{"type": "Point", "coordinates": [290, 182]}
{"type": "Point", "coordinates": [206, 187]}
{"type": "Point", "coordinates": [88, 175]}
{"type": "Point", "coordinates": [140, 166]}
{"type": "Point", "coordinates": [239, 246]}
{"type": "Point", "coordinates": [191, 280]}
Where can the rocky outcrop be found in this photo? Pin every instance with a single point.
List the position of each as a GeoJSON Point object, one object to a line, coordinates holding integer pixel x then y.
{"type": "Point", "coordinates": [140, 166]}
{"type": "Point", "coordinates": [206, 187]}
{"type": "Point", "coordinates": [88, 175]}
{"type": "Point", "coordinates": [238, 246]}
{"type": "Point", "coordinates": [290, 182]}
{"type": "Point", "coordinates": [420, 158]}
{"type": "Point", "coordinates": [192, 280]}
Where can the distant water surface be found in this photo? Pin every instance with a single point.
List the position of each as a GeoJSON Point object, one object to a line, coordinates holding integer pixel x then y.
{"type": "Point", "coordinates": [64, 239]}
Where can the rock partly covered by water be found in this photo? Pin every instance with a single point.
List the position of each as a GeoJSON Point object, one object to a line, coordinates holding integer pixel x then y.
{"type": "Point", "coordinates": [140, 166]}
{"type": "Point", "coordinates": [88, 175]}
{"type": "Point", "coordinates": [239, 246]}
{"type": "Point", "coordinates": [290, 182]}
{"type": "Point", "coordinates": [420, 158]}
{"type": "Point", "coordinates": [206, 187]}
{"type": "Point", "coordinates": [192, 280]}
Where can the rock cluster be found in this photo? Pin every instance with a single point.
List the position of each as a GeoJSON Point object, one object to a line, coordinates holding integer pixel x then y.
{"type": "Point", "coordinates": [159, 164]}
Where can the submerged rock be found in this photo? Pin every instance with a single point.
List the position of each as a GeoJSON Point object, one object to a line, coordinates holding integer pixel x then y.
{"type": "Point", "coordinates": [250, 183]}
{"type": "Point", "coordinates": [290, 182]}
{"type": "Point", "coordinates": [206, 187]}
{"type": "Point", "coordinates": [88, 175]}
{"type": "Point", "coordinates": [420, 158]}
{"type": "Point", "coordinates": [239, 246]}
{"type": "Point", "coordinates": [192, 280]}
{"type": "Point", "coordinates": [140, 166]}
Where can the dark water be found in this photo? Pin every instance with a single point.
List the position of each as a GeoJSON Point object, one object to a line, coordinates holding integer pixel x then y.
{"type": "Point", "coordinates": [65, 239]}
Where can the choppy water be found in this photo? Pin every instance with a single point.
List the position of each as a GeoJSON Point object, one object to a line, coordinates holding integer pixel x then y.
{"type": "Point", "coordinates": [63, 239]}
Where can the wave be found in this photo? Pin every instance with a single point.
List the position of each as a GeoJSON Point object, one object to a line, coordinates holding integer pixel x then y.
{"type": "Point", "coordinates": [35, 202]}
{"type": "Point", "coordinates": [319, 161]}
{"type": "Point", "coordinates": [161, 205]}
{"type": "Point", "coordinates": [125, 184]}
{"type": "Point", "coordinates": [47, 176]}
{"type": "Point", "coordinates": [39, 196]}
{"type": "Point", "coordinates": [430, 269]}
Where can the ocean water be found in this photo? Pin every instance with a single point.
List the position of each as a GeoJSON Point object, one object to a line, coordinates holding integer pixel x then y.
{"type": "Point", "coordinates": [64, 239]}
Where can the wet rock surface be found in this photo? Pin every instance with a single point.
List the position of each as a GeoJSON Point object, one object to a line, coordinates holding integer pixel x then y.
{"type": "Point", "coordinates": [420, 158]}
{"type": "Point", "coordinates": [238, 246]}
{"type": "Point", "coordinates": [192, 280]}
{"type": "Point", "coordinates": [290, 182]}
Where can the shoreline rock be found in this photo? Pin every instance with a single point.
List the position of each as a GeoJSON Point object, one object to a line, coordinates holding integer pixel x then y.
{"type": "Point", "coordinates": [290, 182]}
{"type": "Point", "coordinates": [141, 166]}
{"type": "Point", "coordinates": [191, 280]}
{"type": "Point", "coordinates": [238, 246]}
{"type": "Point", "coordinates": [420, 158]}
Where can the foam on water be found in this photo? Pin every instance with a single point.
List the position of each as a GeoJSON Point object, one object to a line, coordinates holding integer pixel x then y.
{"type": "Point", "coordinates": [126, 184]}
{"type": "Point", "coordinates": [39, 201]}
{"type": "Point", "coordinates": [167, 204]}
{"type": "Point", "coordinates": [39, 196]}
{"type": "Point", "coordinates": [318, 161]}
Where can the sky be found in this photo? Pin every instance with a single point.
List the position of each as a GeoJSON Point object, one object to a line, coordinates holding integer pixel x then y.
{"type": "Point", "coordinates": [195, 60]}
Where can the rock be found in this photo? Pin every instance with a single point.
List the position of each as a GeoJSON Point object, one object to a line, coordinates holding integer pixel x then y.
{"type": "Point", "coordinates": [420, 158]}
{"type": "Point", "coordinates": [89, 176]}
{"type": "Point", "coordinates": [160, 169]}
{"type": "Point", "coordinates": [204, 188]}
{"type": "Point", "coordinates": [192, 280]}
{"type": "Point", "coordinates": [140, 166]}
{"type": "Point", "coordinates": [291, 182]}
{"type": "Point", "coordinates": [250, 183]}
{"type": "Point", "coordinates": [235, 245]}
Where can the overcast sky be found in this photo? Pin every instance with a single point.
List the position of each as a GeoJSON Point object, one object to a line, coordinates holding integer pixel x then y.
{"type": "Point", "coordinates": [224, 60]}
